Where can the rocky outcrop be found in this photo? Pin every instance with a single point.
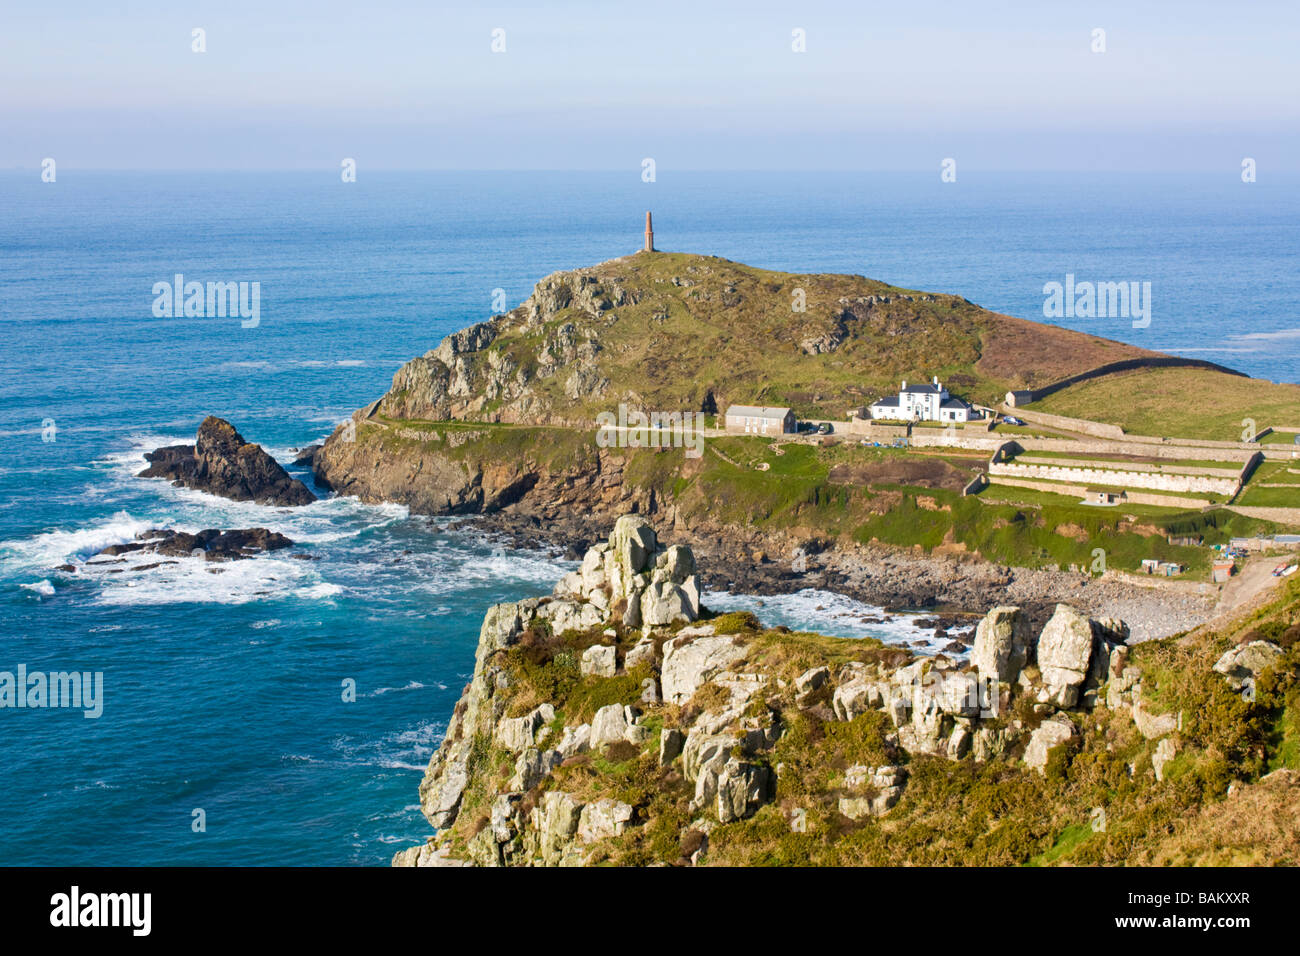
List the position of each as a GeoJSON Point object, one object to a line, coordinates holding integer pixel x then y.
{"type": "Point", "coordinates": [221, 463]}
{"type": "Point", "coordinates": [1048, 735]}
{"type": "Point", "coordinates": [1064, 653]}
{"type": "Point", "coordinates": [211, 544]}
{"type": "Point", "coordinates": [698, 710]}
{"type": "Point", "coordinates": [1242, 665]}
{"type": "Point", "coordinates": [1002, 642]}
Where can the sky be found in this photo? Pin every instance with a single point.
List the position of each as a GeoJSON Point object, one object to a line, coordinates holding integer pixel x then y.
{"type": "Point", "coordinates": [1182, 85]}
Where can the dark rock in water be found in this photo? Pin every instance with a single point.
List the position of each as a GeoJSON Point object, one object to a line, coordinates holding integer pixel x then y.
{"type": "Point", "coordinates": [221, 463]}
{"type": "Point", "coordinates": [68, 568]}
{"type": "Point", "coordinates": [307, 456]}
{"type": "Point", "coordinates": [954, 647]}
{"type": "Point", "coordinates": [212, 543]}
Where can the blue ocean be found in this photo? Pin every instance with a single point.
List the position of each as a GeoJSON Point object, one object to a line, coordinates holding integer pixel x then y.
{"type": "Point", "coordinates": [223, 687]}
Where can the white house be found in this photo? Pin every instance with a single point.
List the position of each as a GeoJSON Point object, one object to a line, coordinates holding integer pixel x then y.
{"type": "Point", "coordinates": [925, 403]}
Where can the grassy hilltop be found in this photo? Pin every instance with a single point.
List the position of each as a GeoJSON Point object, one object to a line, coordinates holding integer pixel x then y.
{"type": "Point", "coordinates": [666, 329]}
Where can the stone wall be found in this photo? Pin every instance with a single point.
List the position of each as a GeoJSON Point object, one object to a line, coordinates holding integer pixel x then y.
{"type": "Point", "coordinates": [1231, 473]}
{"type": "Point", "coordinates": [1112, 368]}
{"type": "Point", "coordinates": [1081, 425]}
{"type": "Point", "coordinates": [866, 428]}
{"type": "Point", "coordinates": [939, 438]}
{"type": "Point", "coordinates": [1235, 452]}
{"type": "Point", "coordinates": [1119, 479]}
{"type": "Point", "coordinates": [1134, 497]}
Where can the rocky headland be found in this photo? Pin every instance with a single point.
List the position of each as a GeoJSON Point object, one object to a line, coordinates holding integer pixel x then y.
{"type": "Point", "coordinates": [221, 462]}
{"type": "Point", "coordinates": [497, 422]}
{"type": "Point", "coordinates": [619, 721]}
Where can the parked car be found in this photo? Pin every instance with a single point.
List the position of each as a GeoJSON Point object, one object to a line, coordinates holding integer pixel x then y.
{"type": "Point", "coordinates": [824, 428]}
{"type": "Point", "coordinates": [1009, 420]}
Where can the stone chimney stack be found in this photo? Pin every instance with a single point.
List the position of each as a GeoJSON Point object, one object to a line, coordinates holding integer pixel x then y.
{"type": "Point", "coordinates": [649, 234]}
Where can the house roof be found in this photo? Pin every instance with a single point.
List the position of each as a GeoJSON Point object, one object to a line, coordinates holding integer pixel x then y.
{"type": "Point", "coordinates": [927, 389]}
{"type": "Point", "coordinates": [758, 411]}
{"type": "Point", "coordinates": [888, 402]}
{"type": "Point", "coordinates": [954, 403]}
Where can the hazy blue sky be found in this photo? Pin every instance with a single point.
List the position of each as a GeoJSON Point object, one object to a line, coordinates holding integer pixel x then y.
{"type": "Point", "coordinates": [600, 85]}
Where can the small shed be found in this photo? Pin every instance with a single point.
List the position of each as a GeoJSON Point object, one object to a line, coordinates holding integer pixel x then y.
{"type": "Point", "coordinates": [1222, 571]}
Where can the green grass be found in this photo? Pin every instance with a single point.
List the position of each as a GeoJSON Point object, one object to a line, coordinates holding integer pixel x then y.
{"type": "Point", "coordinates": [1257, 497]}
{"type": "Point", "coordinates": [1065, 844]}
{"type": "Point", "coordinates": [1179, 403]}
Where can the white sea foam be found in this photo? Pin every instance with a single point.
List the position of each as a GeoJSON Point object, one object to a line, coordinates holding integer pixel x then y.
{"type": "Point", "coordinates": [826, 612]}
{"type": "Point", "coordinates": [51, 548]}
{"type": "Point", "coordinates": [412, 685]}
{"type": "Point", "coordinates": [44, 588]}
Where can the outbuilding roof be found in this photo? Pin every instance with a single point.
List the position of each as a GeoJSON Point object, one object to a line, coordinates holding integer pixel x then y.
{"type": "Point", "coordinates": [758, 411]}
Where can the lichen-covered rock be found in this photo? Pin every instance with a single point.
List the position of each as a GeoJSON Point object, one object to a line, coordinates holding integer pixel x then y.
{"type": "Point", "coordinates": [1242, 665]}
{"type": "Point", "coordinates": [885, 786]}
{"type": "Point", "coordinates": [670, 745]}
{"type": "Point", "coordinates": [609, 726]}
{"type": "Point", "coordinates": [928, 730]}
{"type": "Point", "coordinates": [742, 787]}
{"type": "Point", "coordinates": [809, 682]}
{"type": "Point", "coordinates": [502, 625]}
{"type": "Point", "coordinates": [1002, 641]}
{"type": "Point", "coordinates": [690, 659]}
{"type": "Point", "coordinates": [1153, 726]}
{"type": "Point", "coordinates": [642, 653]}
{"type": "Point", "coordinates": [444, 783]}
{"type": "Point", "coordinates": [856, 697]}
{"type": "Point", "coordinates": [666, 603]}
{"type": "Point", "coordinates": [575, 740]}
{"type": "Point", "coordinates": [599, 660]}
{"type": "Point", "coordinates": [602, 819]}
{"type": "Point", "coordinates": [516, 733]}
{"type": "Point", "coordinates": [1165, 751]}
{"type": "Point", "coordinates": [553, 824]}
{"type": "Point", "coordinates": [570, 615]}
{"type": "Point", "coordinates": [1064, 655]}
{"type": "Point", "coordinates": [631, 545]}
{"type": "Point", "coordinates": [989, 743]}
{"type": "Point", "coordinates": [532, 767]}
{"type": "Point", "coordinates": [1050, 733]}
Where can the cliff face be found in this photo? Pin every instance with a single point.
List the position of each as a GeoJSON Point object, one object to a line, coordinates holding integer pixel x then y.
{"type": "Point", "coordinates": [618, 721]}
{"type": "Point", "coordinates": [453, 469]}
